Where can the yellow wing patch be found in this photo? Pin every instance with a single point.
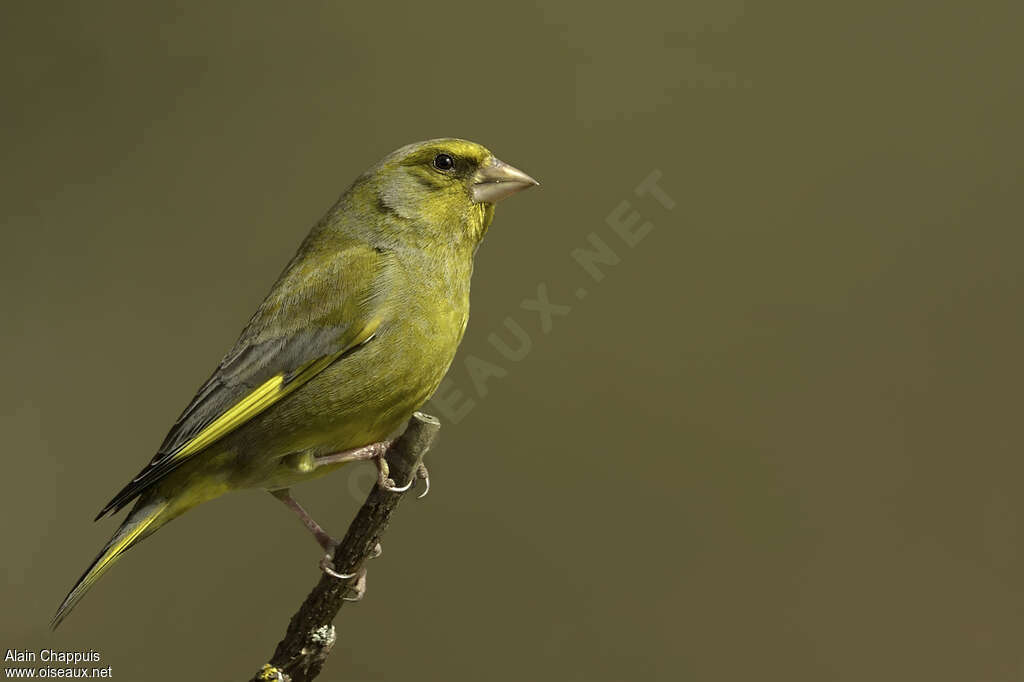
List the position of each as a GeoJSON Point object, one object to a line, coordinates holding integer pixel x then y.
{"type": "Point", "coordinates": [271, 391]}
{"type": "Point", "coordinates": [246, 408]}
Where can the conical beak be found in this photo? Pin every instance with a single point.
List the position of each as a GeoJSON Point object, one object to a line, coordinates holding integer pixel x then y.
{"type": "Point", "coordinates": [498, 180]}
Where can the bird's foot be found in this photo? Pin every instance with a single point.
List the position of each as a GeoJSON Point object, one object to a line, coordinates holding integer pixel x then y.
{"type": "Point", "coordinates": [424, 475]}
{"type": "Point", "coordinates": [359, 588]}
{"type": "Point", "coordinates": [383, 480]}
{"type": "Point", "coordinates": [327, 563]}
{"type": "Point", "coordinates": [374, 451]}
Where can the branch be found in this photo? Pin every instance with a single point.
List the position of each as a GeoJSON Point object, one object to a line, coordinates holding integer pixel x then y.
{"type": "Point", "coordinates": [310, 635]}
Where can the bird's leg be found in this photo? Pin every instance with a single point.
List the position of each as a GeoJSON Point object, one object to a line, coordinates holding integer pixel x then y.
{"type": "Point", "coordinates": [328, 543]}
{"type": "Point", "coordinates": [322, 538]}
{"type": "Point", "coordinates": [371, 451]}
{"type": "Point", "coordinates": [374, 451]}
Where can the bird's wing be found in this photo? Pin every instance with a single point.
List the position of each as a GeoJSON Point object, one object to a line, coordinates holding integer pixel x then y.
{"type": "Point", "coordinates": [316, 313]}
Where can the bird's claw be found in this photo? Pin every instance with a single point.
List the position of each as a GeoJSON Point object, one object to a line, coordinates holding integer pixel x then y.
{"type": "Point", "coordinates": [385, 482]}
{"type": "Point", "coordinates": [390, 486]}
{"type": "Point", "coordinates": [422, 473]}
{"type": "Point", "coordinates": [327, 563]}
{"type": "Point", "coordinates": [327, 566]}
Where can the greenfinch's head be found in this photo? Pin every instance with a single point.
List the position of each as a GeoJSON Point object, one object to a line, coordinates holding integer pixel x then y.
{"type": "Point", "coordinates": [447, 183]}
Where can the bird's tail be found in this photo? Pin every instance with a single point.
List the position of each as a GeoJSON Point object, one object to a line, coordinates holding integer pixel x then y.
{"type": "Point", "coordinates": [144, 519]}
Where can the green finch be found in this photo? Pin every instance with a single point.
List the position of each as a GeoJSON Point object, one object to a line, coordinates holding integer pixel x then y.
{"type": "Point", "coordinates": [356, 333]}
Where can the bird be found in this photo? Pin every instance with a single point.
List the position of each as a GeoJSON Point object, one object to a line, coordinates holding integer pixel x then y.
{"type": "Point", "coordinates": [355, 334]}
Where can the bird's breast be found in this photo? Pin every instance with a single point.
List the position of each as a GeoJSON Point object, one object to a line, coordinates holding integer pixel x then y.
{"type": "Point", "coordinates": [425, 315]}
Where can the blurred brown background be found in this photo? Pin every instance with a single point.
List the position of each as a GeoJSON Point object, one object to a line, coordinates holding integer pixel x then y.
{"type": "Point", "coordinates": [779, 440]}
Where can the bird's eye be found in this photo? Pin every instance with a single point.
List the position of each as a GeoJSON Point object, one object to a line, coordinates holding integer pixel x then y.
{"type": "Point", "coordinates": [444, 162]}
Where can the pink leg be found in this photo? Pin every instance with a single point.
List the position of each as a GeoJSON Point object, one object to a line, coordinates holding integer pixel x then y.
{"type": "Point", "coordinates": [328, 543]}
{"type": "Point", "coordinates": [323, 539]}
{"type": "Point", "coordinates": [371, 451]}
{"type": "Point", "coordinates": [374, 451]}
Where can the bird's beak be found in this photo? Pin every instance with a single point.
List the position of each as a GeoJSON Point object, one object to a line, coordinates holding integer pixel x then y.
{"type": "Point", "coordinates": [497, 180]}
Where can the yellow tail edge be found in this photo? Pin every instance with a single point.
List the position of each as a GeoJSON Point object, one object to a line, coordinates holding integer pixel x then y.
{"type": "Point", "coordinates": [138, 524]}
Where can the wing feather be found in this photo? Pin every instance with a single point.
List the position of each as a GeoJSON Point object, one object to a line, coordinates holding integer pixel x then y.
{"type": "Point", "coordinates": [314, 316]}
